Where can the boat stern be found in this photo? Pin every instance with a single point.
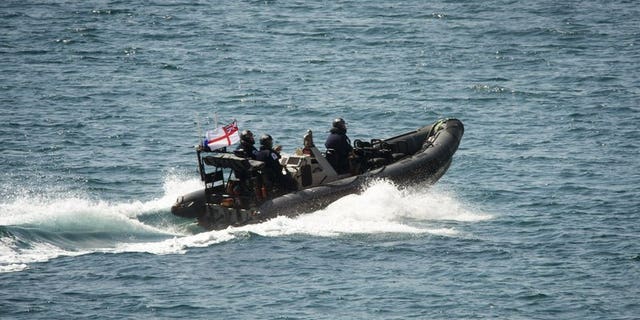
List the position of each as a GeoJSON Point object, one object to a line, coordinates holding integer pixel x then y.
{"type": "Point", "coordinates": [191, 205]}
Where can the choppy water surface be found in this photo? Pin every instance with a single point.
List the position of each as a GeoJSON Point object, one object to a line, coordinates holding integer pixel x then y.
{"type": "Point", "coordinates": [537, 217]}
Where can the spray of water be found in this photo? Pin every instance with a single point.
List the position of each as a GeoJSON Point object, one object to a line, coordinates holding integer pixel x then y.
{"type": "Point", "coordinates": [381, 208]}
{"type": "Point", "coordinates": [39, 229]}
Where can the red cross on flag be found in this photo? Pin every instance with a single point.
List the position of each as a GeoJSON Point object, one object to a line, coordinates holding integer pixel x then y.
{"type": "Point", "coordinates": [221, 137]}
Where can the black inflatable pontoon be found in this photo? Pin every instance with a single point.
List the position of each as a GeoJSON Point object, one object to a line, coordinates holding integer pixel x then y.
{"type": "Point", "coordinates": [423, 155]}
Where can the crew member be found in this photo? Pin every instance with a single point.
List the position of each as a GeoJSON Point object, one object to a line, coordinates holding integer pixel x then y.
{"type": "Point", "coordinates": [246, 148]}
{"type": "Point", "coordinates": [338, 146]}
{"type": "Point", "coordinates": [272, 168]}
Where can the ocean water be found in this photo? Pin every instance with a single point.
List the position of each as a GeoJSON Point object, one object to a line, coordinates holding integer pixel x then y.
{"type": "Point", "coordinates": [537, 218]}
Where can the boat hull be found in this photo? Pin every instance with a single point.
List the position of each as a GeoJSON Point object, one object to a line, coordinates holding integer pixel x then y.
{"type": "Point", "coordinates": [432, 150]}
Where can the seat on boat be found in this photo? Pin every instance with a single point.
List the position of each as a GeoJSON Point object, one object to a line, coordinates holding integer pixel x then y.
{"type": "Point", "coordinates": [405, 146]}
{"type": "Point", "coordinates": [339, 165]}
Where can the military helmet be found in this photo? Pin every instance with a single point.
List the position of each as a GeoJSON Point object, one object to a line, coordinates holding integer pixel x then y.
{"type": "Point", "coordinates": [247, 136]}
{"type": "Point", "coordinates": [266, 141]}
{"type": "Point", "coordinates": [339, 123]}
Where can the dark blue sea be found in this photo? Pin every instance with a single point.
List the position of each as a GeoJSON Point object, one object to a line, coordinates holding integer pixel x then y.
{"type": "Point", "coordinates": [538, 217]}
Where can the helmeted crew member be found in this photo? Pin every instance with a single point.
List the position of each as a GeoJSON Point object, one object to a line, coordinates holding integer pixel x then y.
{"type": "Point", "coordinates": [272, 167]}
{"type": "Point", "coordinates": [338, 146]}
{"type": "Point", "coordinates": [246, 148]}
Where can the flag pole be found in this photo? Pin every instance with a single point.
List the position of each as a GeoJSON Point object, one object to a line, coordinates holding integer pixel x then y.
{"type": "Point", "coordinates": [199, 128]}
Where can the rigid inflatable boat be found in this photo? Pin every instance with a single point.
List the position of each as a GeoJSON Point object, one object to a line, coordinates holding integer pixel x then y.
{"type": "Point", "coordinates": [234, 192]}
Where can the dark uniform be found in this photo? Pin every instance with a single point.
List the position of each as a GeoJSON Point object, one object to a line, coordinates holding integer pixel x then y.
{"type": "Point", "coordinates": [248, 151]}
{"type": "Point", "coordinates": [338, 146]}
{"type": "Point", "coordinates": [272, 172]}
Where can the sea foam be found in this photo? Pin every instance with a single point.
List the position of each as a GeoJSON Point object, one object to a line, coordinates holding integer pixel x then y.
{"type": "Point", "coordinates": [67, 226]}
